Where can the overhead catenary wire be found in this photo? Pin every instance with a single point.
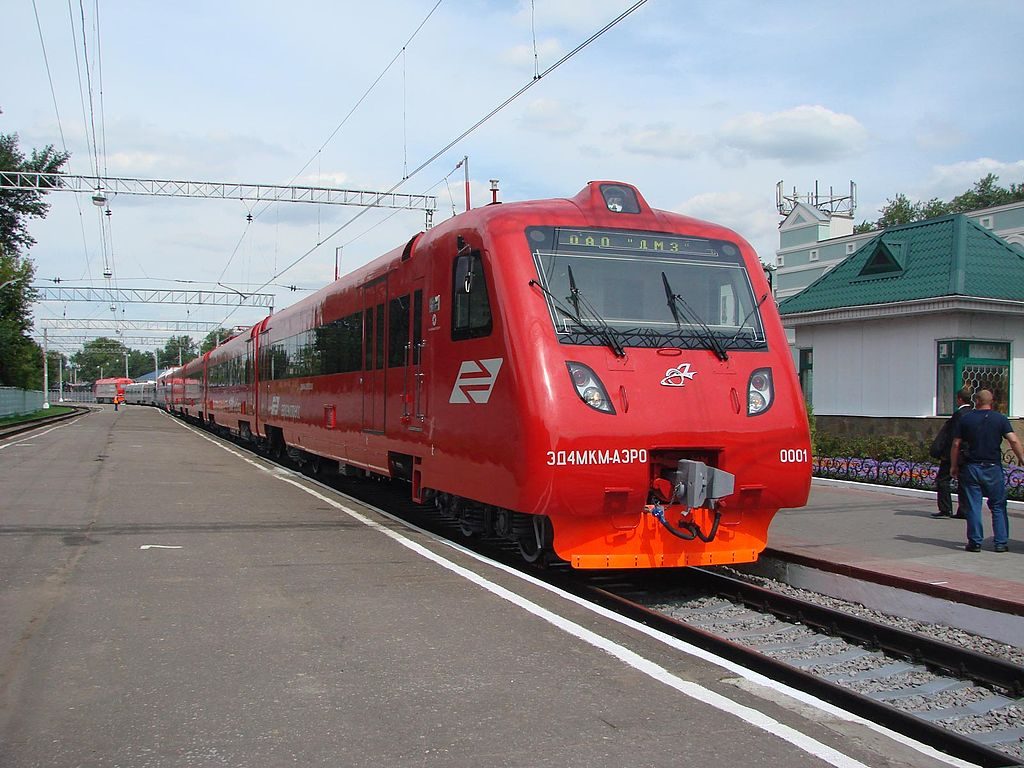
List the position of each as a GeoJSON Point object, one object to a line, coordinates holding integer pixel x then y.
{"type": "Point", "coordinates": [253, 214]}
{"type": "Point", "coordinates": [60, 130]}
{"type": "Point", "coordinates": [358, 103]}
{"type": "Point", "coordinates": [571, 54]}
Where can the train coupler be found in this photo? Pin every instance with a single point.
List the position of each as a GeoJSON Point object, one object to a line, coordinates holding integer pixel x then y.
{"type": "Point", "coordinates": [695, 484]}
{"type": "Point", "coordinates": [687, 530]}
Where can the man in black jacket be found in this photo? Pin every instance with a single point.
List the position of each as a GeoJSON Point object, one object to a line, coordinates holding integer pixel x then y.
{"type": "Point", "coordinates": [944, 479]}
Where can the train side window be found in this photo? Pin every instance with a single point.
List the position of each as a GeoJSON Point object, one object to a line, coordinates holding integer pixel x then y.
{"type": "Point", "coordinates": [339, 345]}
{"type": "Point", "coordinates": [398, 331]}
{"type": "Point", "coordinates": [368, 341]}
{"type": "Point", "coordinates": [471, 306]}
{"type": "Point", "coordinates": [380, 336]}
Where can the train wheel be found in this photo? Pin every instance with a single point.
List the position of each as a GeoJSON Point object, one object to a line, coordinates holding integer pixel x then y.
{"type": "Point", "coordinates": [313, 465]}
{"type": "Point", "coordinates": [533, 547]}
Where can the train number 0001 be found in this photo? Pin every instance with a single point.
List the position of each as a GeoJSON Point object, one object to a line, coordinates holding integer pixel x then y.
{"type": "Point", "coordinates": [793, 455]}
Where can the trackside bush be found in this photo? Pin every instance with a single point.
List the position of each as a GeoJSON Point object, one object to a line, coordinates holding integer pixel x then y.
{"type": "Point", "coordinates": [878, 447]}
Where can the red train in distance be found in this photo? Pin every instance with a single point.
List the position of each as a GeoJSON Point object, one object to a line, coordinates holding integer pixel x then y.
{"type": "Point", "coordinates": [590, 378]}
{"type": "Point", "coordinates": [105, 390]}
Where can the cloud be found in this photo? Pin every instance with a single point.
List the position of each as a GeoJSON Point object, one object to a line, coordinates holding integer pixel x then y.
{"type": "Point", "coordinates": [548, 52]}
{"type": "Point", "coordinates": [552, 117]}
{"type": "Point", "coordinates": [570, 14]}
{"type": "Point", "coordinates": [745, 213]}
{"type": "Point", "coordinates": [804, 134]}
{"type": "Point", "coordinates": [948, 181]}
{"type": "Point", "coordinates": [932, 132]}
{"type": "Point", "coordinates": [663, 140]}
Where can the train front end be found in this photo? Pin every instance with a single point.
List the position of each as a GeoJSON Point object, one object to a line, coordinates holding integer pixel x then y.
{"type": "Point", "coordinates": [667, 425]}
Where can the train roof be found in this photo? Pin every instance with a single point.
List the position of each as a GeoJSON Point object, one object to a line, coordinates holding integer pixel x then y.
{"type": "Point", "coordinates": [602, 203]}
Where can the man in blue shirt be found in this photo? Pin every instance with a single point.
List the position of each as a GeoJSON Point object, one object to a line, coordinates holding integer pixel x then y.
{"type": "Point", "coordinates": [983, 429]}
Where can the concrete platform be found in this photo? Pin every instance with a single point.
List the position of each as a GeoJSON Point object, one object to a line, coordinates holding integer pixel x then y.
{"type": "Point", "coordinates": [888, 535]}
{"type": "Point", "coordinates": [167, 600]}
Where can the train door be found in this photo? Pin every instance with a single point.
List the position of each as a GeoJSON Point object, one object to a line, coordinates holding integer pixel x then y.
{"type": "Point", "coordinates": [418, 374]}
{"type": "Point", "coordinates": [249, 406]}
{"type": "Point", "coordinates": [374, 299]}
{"type": "Point", "coordinates": [261, 371]}
{"type": "Point", "coordinates": [405, 358]}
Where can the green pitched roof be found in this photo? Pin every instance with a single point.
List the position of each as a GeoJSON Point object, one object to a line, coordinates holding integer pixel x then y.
{"type": "Point", "coordinates": [946, 256]}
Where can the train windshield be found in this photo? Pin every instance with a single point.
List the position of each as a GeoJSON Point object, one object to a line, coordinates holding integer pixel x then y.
{"type": "Point", "coordinates": [646, 289]}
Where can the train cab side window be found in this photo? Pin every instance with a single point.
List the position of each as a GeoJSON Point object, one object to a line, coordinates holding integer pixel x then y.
{"type": "Point", "coordinates": [471, 306]}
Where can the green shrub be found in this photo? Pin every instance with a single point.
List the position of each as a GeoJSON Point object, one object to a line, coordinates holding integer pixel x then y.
{"type": "Point", "coordinates": [879, 447]}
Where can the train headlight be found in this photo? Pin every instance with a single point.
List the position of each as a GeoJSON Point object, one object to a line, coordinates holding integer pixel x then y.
{"type": "Point", "coordinates": [760, 392]}
{"type": "Point", "coordinates": [589, 387]}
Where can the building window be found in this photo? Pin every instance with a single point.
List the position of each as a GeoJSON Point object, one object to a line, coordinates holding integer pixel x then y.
{"type": "Point", "coordinates": [807, 374]}
{"type": "Point", "coordinates": [974, 364]}
{"type": "Point", "coordinates": [850, 248]}
{"type": "Point", "coordinates": [814, 254]}
{"type": "Point", "coordinates": [986, 222]}
{"type": "Point", "coordinates": [780, 260]}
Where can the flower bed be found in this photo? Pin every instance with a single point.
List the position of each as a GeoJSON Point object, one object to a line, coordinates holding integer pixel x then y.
{"type": "Point", "coordinates": [901, 473]}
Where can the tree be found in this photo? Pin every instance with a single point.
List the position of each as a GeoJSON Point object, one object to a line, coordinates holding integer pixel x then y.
{"type": "Point", "coordinates": [19, 205]}
{"type": "Point", "coordinates": [177, 349]}
{"type": "Point", "coordinates": [139, 363]}
{"type": "Point", "coordinates": [215, 339]}
{"type": "Point", "coordinates": [897, 211]}
{"type": "Point", "coordinates": [985, 193]}
{"type": "Point", "coordinates": [100, 358]}
{"type": "Point", "coordinates": [21, 359]}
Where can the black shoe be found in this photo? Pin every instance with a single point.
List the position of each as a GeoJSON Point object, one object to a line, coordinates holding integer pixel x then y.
{"type": "Point", "coordinates": [941, 514]}
{"type": "Point", "coordinates": [1000, 548]}
{"type": "Point", "coordinates": [959, 516]}
{"type": "Point", "coordinates": [972, 547]}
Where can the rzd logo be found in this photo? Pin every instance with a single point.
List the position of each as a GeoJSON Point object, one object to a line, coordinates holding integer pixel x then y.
{"type": "Point", "coordinates": [475, 380]}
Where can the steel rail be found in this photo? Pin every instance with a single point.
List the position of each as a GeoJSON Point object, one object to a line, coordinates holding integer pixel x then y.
{"type": "Point", "coordinates": [586, 586]}
{"type": "Point", "coordinates": [937, 654]}
{"type": "Point", "coordinates": [890, 717]}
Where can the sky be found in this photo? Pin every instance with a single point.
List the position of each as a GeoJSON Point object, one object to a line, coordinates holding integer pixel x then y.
{"type": "Point", "coordinates": [704, 105]}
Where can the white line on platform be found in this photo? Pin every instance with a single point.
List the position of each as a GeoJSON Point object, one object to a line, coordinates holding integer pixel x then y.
{"type": "Point", "coordinates": [694, 690]}
{"type": "Point", "coordinates": [160, 546]}
{"type": "Point", "coordinates": [33, 437]}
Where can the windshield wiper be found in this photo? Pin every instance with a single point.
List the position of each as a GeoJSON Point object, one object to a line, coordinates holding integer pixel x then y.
{"type": "Point", "coordinates": [574, 292]}
{"type": "Point", "coordinates": [749, 315]}
{"type": "Point", "coordinates": [602, 331]}
{"type": "Point", "coordinates": [670, 298]}
{"type": "Point", "coordinates": [705, 334]}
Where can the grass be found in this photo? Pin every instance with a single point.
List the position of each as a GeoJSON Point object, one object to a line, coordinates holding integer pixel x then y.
{"type": "Point", "coordinates": [54, 410]}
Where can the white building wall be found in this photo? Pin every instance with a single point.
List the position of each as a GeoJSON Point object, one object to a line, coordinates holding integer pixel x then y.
{"type": "Point", "coordinates": [887, 367]}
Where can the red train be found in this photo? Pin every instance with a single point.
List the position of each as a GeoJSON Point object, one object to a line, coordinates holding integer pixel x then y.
{"type": "Point", "coordinates": [107, 390]}
{"type": "Point", "coordinates": [587, 377]}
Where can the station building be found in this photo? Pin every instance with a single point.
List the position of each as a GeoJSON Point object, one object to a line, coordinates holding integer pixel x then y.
{"type": "Point", "coordinates": [887, 325]}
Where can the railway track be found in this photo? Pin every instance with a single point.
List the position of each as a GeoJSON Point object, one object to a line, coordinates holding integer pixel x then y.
{"type": "Point", "coordinates": [962, 702]}
{"type": "Point", "coordinates": [27, 426]}
{"type": "Point", "coordinates": [959, 701]}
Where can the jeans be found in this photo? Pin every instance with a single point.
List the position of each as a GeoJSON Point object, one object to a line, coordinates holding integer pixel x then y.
{"type": "Point", "coordinates": [985, 480]}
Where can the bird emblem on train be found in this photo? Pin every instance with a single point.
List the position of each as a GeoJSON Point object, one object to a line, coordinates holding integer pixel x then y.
{"type": "Point", "coordinates": [475, 381]}
{"type": "Point", "coordinates": [677, 377]}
